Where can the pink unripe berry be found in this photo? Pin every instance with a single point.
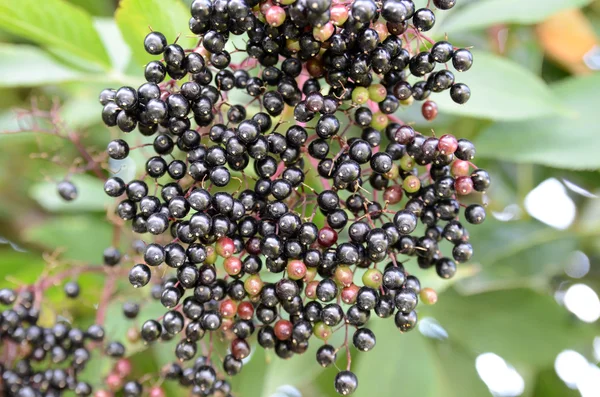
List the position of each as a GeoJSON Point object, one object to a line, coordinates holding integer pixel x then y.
{"type": "Point", "coordinates": [225, 247]}
{"type": "Point", "coordinates": [339, 14]}
{"type": "Point", "coordinates": [156, 392]}
{"type": "Point", "coordinates": [275, 16]}
{"type": "Point", "coordinates": [447, 144]}
{"type": "Point", "coordinates": [463, 185]}
{"type": "Point", "coordinates": [460, 168]}
{"type": "Point", "coordinates": [123, 367]}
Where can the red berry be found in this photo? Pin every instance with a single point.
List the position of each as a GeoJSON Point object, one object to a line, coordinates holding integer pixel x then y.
{"type": "Point", "coordinates": [311, 290]}
{"type": "Point", "coordinates": [296, 269]}
{"type": "Point", "coordinates": [349, 294]}
{"type": "Point", "coordinates": [228, 308]}
{"type": "Point", "coordinates": [275, 16]}
{"type": "Point", "coordinates": [324, 32]}
{"type": "Point", "coordinates": [245, 310]}
{"type": "Point", "coordinates": [114, 381]}
{"type": "Point", "coordinates": [232, 265]}
{"type": "Point", "coordinates": [447, 144]}
{"type": "Point", "coordinates": [253, 246]}
{"type": "Point", "coordinates": [283, 329]}
{"type": "Point", "coordinates": [393, 194]}
{"type": "Point", "coordinates": [327, 237]}
{"type": "Point", "coordinates": [103, 393]}
{"type": "Point", "coordinates": [339, 14]}
{"type": "Point", "coordinates": [463, 185]}
{"type": "Point", "coordinates": [123, 367]}
{"type": "Point", "coordinates": [429, 110]}
{"type": "Point", "coordinates": [240, 348]}
{"type": "Point", "coordinates": [225, 247]}
{"type": "Point", "coordinates": [265, 5]}
{"type": "Point", "coordinates": [460, 168]}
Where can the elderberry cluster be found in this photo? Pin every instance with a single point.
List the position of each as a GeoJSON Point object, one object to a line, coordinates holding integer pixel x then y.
{"type": "Point", "coordinates": [226, 203]}
{"type": "Point", "coordinates": [61, 350]}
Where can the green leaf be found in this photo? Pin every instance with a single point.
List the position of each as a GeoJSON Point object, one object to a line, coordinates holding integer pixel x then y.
{"type": "Point", "coordinates": [83, 237]}
{"type": "Point", "coordinates": [19, 266]}
{"type": "Point", "coordinates": [501, 90]}
{"type": "Point", "coordinates": [557, 141]}
{"type": "Point", "coordinates": [412, 365]}
{"type": "Point", "coordinates": [116, 324]}
{"type": "Point", "coordinates": [117, 48]}
{"type": "Point", "coordinates": [91, 196]}
{"type": "Point", "coordinates": [484, 13]}
{"type": "Point", "coordinates": [96, 368]}
{"type": "Point", "coordinates": [520, 325]}
{"type": "Point", "coordinates": [548, 384]}
{"type": "Point", "coordinates": [170, 17]}
{"type": "Point", "coordinates": [61, 27]}
{"type": "Point", "coordinates": [516, 254]}
{"type": "Point", "coordinates": [29, 66]}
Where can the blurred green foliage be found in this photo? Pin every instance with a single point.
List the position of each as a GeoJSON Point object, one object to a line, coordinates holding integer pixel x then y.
{"type": "Point", "coordinates": [529, 117]}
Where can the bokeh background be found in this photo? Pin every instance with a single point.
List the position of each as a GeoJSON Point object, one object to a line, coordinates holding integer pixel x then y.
{"type": "Point", "coordinates": [520, 320]}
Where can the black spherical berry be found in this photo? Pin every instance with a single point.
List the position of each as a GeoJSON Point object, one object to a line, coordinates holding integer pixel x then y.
{"type": "Point", "coordinates": [424, 19]}
{"type": "Point", "coordinates": [444, 4]}
{"type": "Point", "coordinates": [345, 383]}
{"type": "Point", "coordinates": [155, 43]}
{"type": "Point", "coordinates": [460, 93]}
{"type": "Point", "coordinates": [139, 275]}
{"type": "Point", "coordinates": [475, 214]}
{"type": "Point", "coordinates": [67, 190]}
{"type": "Point", "coordinates": [364, 339]}
{"type": "Point", "coordinates": [462, 60]}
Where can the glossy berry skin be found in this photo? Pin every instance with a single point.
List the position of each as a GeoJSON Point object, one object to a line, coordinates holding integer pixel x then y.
{"type": "Point", "coordinates": [326, 355]}
{"type": "Point", "coordinates": [462, 60]}
{"type": "Point", "coordinates": [345, 383]}
{"type": "Point", "coordinates": [460, 93]}
{"type": "Point", "coordinates": [442, 52]}
{"type": "Point", "coordinates": [423, 19]}
{"type": "Point", "coordinates": [364, 339]}
{"type": "Point", "coordinates": [429, 110]}
{"type": "Point", "coordinates": [327, 237]}
{"type": "Point", "coordinates": [481, 180]}
{"type": "Point", "coordinates": [220, 227]}
{"type": "Point", "coordinates": [475, 214]}
{"type": "Point", "coordinates": [118, 149]}
{"type": "Point", "coordinates": [139, 275]}
{"type": "Point", "coordinates": [405, 322]}
{"type": "Point", "coordinates": [155, 43]}
{"type": "Point", "coordinates": [444, 4]}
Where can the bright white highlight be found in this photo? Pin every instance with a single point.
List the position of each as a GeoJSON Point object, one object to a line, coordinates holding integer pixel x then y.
{"type": "Point", "coordinates": [550, 204]}
{"type": "Point", "coordinates": [501, 378]}
{"type": "Point", "coordinates": [578, 373]}
{"type": "Point", "coordinates": [583, 302]}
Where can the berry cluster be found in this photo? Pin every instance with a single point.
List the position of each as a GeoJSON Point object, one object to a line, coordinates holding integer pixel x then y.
{"type": "Point", "coordinates": [226, 203]}
{"type": "Point", "coordinates": [62, 350]}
